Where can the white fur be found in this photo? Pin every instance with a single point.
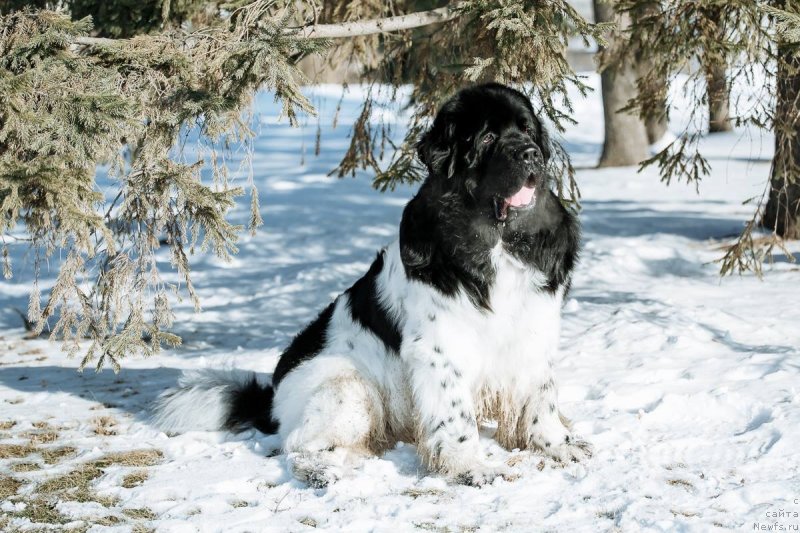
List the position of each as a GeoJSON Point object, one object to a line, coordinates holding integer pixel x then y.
{"type": "Point", "coordinates": [457, 364]}
{"type": "Point", "coordinates": [199, 402]}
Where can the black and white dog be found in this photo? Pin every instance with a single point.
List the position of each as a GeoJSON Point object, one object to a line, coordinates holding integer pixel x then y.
{"type": "Point", "coordinates": [456, 322]}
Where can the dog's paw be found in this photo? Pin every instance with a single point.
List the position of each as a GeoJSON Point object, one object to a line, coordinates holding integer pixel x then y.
{"type": "Point", "coordinates": [570, 451]}
{"type": "Point", "coordinates": [484, 475]}
{"type": "Point", "coordinates": [314, 470]}
{"type": "Point", "coordinates": [320, 479]}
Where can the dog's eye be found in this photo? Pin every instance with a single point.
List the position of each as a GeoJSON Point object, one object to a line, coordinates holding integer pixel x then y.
{"type": "Point", "coordinates": [489, 138]}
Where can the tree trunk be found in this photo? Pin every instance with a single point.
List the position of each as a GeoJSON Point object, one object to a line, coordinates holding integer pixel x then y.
{"type": "Point", "coordinates": [783, 205]}
{"type": "Point", "coordinates": [718, 96]}
{"type": "Point", "coordinates": [656, 128]}
{"type": "Point", "coordinates": [625, 134]}
{"type": "Point", "coordinates": [655, 125]}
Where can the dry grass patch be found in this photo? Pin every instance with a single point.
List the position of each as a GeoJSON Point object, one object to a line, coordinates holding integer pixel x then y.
{"type": "Point", "coordinates": [41, 437]}
{"type": "Point", "coordinates": [680, 483]}
{"type": "Point", "coordinates": [105, 426]}
{"type": "Point", "coordinates": [131, 458]}
{"type": "Point", "coordinates": [417, 493]}
{"type": "Point", "coordinates": [109, 520]}
{"type": "Point", "coordinates": [41, 424]}
{"type": "Point", "coordinates": [134, 479]}
{"type": "Point", "coordinates": [607, 514]}
{"type": "Point", "coordinates": [52, 456]}
{"type": "Point", "coordinates": [141, 513]}
{"type": "Point", "coordinates": [8, 424]}
{"type": "Point", "coordinates": [8, 486]}
{"type": "Point", "coordinates": [76, 485]}
{"type": "Point", "coordinates": [25, 467]}
{"type": "Point", "coordinates": [40, 511]}
{"type": "Point", "coordinates": [8, 451]}
{"type": "Point", "coordinates": [430, 526]}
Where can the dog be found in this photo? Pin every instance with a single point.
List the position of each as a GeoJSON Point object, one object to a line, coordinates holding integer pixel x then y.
{"type": "Point", "coordinates": [456, 322]}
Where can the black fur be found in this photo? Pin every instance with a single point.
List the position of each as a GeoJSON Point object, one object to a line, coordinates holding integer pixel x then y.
{"type": "Point", "coordinates": [250, 406]}
{"type": "Point", "coordinates": [367, 310]}
{"type": "Point", "coordinates": [304, 346]}
{"type": "Point", "coordinates": [551, 243]}
{"type": "Point", "coordinates": [436, 247]}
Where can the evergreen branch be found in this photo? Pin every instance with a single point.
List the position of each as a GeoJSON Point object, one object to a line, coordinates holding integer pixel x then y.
{"type": "Point", "coordinates": [788, 23]}
{"type": "Point", "coordinates": [126, 106]}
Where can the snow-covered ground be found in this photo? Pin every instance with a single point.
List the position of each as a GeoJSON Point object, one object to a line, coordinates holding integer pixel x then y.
{"type": "Point", "coordinates": [685, 383]}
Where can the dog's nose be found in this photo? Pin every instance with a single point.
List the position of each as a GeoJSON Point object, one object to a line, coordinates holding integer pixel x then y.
{"type": "Point", "coordinates": [530, 155]}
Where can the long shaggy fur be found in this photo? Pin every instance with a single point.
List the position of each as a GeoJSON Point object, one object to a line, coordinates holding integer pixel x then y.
{"type": "Point", "coordinates": [211, 399]}
{"type": "Point", "coordinates": [455, 322]}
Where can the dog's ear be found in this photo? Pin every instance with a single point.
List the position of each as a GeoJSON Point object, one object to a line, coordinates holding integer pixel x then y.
{"type": "Point", "coordinates": [416, 240]}
{"type": "Point", "coordinates": [437, 147]}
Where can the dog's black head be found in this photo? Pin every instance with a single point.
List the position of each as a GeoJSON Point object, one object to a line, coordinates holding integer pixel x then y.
{"type": "Point", "coordinates": [487, 155]}
{"type": "Point", "coordinates": [487, 145]}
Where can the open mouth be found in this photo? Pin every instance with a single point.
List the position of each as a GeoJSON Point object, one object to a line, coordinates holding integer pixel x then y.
{"type": "Point", "coordinates": [522, 199]}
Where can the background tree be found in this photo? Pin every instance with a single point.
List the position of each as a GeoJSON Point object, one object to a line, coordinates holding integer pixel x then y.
{"type": "Point", "coordinates": [626, 137]}
{"type": "Point", "coordinates": [679, 35]}
{"type": "Point", "coordinates": [126, 18]}
{"type": "Point", "coordinates": [717, 88]}
{"type": "Point", "coordinates": [718, 96]}
{"type": "Point", "coordinates": [656, 125]}
{"type": "Point", "coordinates": [78, 96]}
{"type": "Point", "coordinates": [782, 212]}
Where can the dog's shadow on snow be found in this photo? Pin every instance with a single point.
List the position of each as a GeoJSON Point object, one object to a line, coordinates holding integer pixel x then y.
{"type": "Point", "coordinates": [132, 390]}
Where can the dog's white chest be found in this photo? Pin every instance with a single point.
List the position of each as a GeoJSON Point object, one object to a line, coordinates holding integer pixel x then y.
{"type": "Point", "coordinates": [513, 340]}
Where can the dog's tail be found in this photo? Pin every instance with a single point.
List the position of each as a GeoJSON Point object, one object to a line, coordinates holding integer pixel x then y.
{"type": "Point", "coordinates": [213, 400]}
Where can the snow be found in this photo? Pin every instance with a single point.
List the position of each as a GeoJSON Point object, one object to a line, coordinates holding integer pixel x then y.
{"type": "Point", "coordinates": [686, 384]}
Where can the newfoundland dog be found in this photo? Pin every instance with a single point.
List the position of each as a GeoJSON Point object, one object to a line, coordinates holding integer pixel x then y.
{"type": "Point", "coordinates": [455, 323]}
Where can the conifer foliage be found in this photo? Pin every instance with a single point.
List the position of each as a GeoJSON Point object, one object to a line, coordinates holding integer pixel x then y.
{"type": "Point", "coordinates": [518, 42]}
{"type": "Point", "coordinates": [69, 109]}
{"type": "Point", "coordinates": [121, 96]}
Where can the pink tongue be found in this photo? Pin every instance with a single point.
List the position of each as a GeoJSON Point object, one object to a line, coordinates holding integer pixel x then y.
{"type": "Point", "coordinates": [522, 197]}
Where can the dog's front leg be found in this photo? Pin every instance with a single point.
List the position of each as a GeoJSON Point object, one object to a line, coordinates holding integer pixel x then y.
{"type": "Point", "coordinates": [446, 427]}
{"type": "Point", "coordinates": [547, 429]}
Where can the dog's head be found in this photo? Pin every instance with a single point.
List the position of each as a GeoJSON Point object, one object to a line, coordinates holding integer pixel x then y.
{"type": "Point", "coordinates": [487, 146]}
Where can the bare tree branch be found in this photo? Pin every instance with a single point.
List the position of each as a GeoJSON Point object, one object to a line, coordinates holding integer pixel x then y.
{"type": "Point", "coordinates": [339, 31]}
{"type": "Point", "coordinates": [97, 41]}
{"type": "Point", "coordinates": [384, 25]}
